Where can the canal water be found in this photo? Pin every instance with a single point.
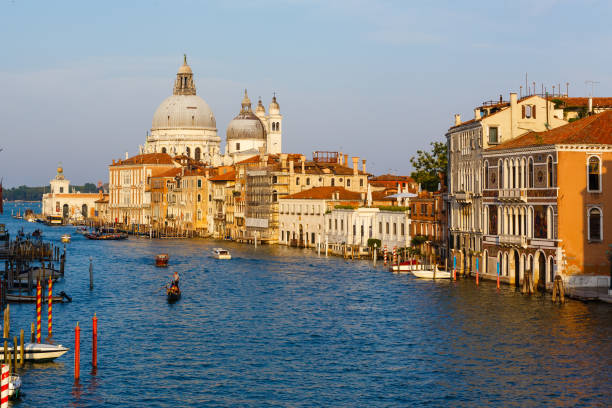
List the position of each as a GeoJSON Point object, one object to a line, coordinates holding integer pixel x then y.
{"type": "Point", "coordinates": [280, 327]}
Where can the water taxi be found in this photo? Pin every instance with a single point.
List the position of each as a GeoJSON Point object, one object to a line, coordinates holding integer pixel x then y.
{"type": "Point", "coordinates": [434, 273]}
{"type": "Point", "coordinates": [220, 253]}
{"type": "Point", "coordinates": [39, 352]}
{"type": "Point", "coordinates": [162, 260]}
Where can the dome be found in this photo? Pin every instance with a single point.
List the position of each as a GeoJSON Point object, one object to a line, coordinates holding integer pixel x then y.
{"type": "Point", "coordinates": [185, 69]}
{"type": "Point", "coordinates": [183, 111]}
{"type": "Point", "coordinates": [246, 126]}
{"type": "Point", "coordinates": [274, 108]}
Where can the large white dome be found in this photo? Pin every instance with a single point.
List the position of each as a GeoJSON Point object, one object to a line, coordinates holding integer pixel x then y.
{"type": "Point", "coordinates": [184, 111]}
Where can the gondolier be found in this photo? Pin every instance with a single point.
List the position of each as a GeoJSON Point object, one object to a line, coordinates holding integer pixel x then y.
{"type": "Point", "coordinates": [175, 279]}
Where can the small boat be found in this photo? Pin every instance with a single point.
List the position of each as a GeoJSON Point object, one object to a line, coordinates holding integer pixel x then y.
{"type": "Point", "coordinates": [81, 230]}
{"type": "Point", "coordinates": [105, 236]}
{"type": "Point", "coordinates": [162, 260]}
{"type": "Point", "coordinates": [66, 238]}
{"type": "Point", "coordinates": [221, 253]}
{"type": "Point", "coordinates": [39, 352]}
{"type": "Point", "coordinates": [14, 386]}
{"type": "Point", "coordinates": [30, 299]}
{"type": "Point", "coordinates": [404, 266]}
{"type": "Point", "coordinates": [173, 292]}
{"type": "Point", "coordinates": [431, 273]}
{"type": "Point", "coordinates": [37, 233]}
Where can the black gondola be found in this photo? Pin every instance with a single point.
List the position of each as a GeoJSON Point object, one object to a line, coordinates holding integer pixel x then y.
{"type": "Point", "coordinates": [173, 292]}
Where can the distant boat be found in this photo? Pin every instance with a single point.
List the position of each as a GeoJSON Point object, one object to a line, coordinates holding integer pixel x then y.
{"type": "Point", "coordinates": [66, 238]}
{"type": "Point", "coordinates": [404, 266]}
{"type": "Point", "coordinates": [221, 253]}
{"type": "Point", "coordinates": [162, 260]}
{"type": "Point", "coordinates": [431, 273]}
{"type": "Point", "coordinates": [81, 230]}
{"type": "Point", "coordinates": [106, 235]}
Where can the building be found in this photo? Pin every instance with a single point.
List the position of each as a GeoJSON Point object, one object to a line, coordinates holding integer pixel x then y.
{"type": "Point", "coordinates": [545, 205]}
{"type": "Point", "coordinates": [130, 187]}
{"type": "Point", "coordinates": [69, 205]}
{"type": "Point", "coordinates": [391, 181]}
{"type": "Point", "coordinates": [302, 215]}
{"type": "Point", "coordinates": [570, 109]}
{"type": "Point", "coordinates": [427, 211]}
{"type": "Point", "coordinates": [494, 123]}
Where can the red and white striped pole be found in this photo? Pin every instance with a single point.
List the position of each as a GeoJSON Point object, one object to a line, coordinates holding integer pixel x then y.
{"type": "Point", "coordinates": [49, 309]}
{"type": "Point", "coordinates": [394, 255]}
{"type": "Point", "coordinates": [4, 386]}
{"type": "Point", "coordinates": [77, 352]}
{"type": "Point", "coordinates": [385, 252]}
{"type": "Point", "coordinates": [38, 309]}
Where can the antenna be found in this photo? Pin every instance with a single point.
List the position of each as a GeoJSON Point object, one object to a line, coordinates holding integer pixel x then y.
{"type": "Point", "coordinates": [592, 83]}
{"type": "Point", "coordinates": [567, 89]}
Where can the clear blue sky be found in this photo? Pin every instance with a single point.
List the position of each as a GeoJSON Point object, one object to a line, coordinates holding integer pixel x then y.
{"type": "Point", "coordinates": [80, 81]}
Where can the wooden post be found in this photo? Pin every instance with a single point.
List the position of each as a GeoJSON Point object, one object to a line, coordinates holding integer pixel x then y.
{"type": "Point", "coordinates": [32, 334]}
{"type": "Point", "coordinates": [77, 352]}
{"type": "Point", "coordinates": [476, 271]}
{"type": "Point", "coordinates": [375, 254]}
{"type": "Point", "coordinates": [497, 274]}
{"type": "Point", "coordinates": [94, 342]}
{"type": "Point", "coordinates": [21, 351]}
{"type": "Point", "coordinates": [15, 353]}
{"type": "Point", "coordinates": [90, 274]}
{"type": "Point", "coordinates": [455, 267]}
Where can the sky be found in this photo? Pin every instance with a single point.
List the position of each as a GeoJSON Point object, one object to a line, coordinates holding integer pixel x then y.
{"type": "Point", "coordinates": [80, 81]}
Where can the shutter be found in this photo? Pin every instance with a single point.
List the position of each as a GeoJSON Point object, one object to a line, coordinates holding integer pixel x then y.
{"type": "Point", "coordinates": [533, 111]}
{"type": "Point", "coordinates": [523, 109]}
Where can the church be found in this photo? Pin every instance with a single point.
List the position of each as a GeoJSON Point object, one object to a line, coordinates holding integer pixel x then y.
{"type": "Point", "coordinates": [184, 124]}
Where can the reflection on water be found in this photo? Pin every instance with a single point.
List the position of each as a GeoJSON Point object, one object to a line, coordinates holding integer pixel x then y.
{"type": "Point", "coordinates": [277, 326]}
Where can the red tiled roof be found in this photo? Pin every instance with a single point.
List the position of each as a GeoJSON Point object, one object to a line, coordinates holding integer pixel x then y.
{"type": "Point", "coordinates": [149, 158]}
{"type": "Point", "coordinates": [228, 176]}
{"type": "Point", "coordinates": [582, 102]}
{"type": "Point", "coordinates": [325, 193]}
{"type": "Point", "coordinates": [391, 177]}
{"type": "Point", "coordinates": [594, 129]}
{"type": "Point", "coordinates": [169, 173]}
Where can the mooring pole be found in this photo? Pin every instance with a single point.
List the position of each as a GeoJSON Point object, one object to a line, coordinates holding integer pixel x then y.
{"type": "Point", "coordinates": [50, 310]}
{"type": "Point", "coordinates": [77, 351]}
{"type": "Point", "coordinates": [90, 273]}
{"type": "Point", "coordinates": [38, 310]}
{"type": "Point", "coordinates": [497, 274]}
{"type": "Point", "coordinates": [94, 342]}
{"type": "Point", "coordinates": [476, 271]}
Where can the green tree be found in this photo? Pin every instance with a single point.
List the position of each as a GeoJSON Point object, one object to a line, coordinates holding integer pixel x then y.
{"type": "Point", "coordinates": [427, 165]}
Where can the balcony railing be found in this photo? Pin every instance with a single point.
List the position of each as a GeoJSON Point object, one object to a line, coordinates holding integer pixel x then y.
{"type": "Point", "coordinates": [512, 240]}
{"type": "Point", "coordinates": [512, 194]}
{"type": "Point", "coordinates": [464, 197]}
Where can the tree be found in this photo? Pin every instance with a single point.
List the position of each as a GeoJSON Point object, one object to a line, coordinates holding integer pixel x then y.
{"type": "Point", "coordinates": [427, 165]}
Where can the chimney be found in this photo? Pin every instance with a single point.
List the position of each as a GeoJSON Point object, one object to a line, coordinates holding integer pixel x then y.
{"type": "Point", "coordinates": [283, 158]}
{"type": "Point", "coordinates": [512, 98]}
{"type": "Point", "coordinates": [457, 119]}
{"type": "Point", "coordinates": [355, 165]}
{"type": "Point", "coordinates": [345, 160]}
{"type": "Point", "coordinates": [113, 161]}
{"type": "Point", "coordinates": [290, 166]}
{"type": "Point", "coordinates": [590, 104]}
{"type": "Point", "coordinates": [364, 167]}
{"type": "Point", "coordinates": [302, 159]}
{"type": "Point", "coordinates": [126, 155]}
{"type": "Point", "coordinates": [476, 113]}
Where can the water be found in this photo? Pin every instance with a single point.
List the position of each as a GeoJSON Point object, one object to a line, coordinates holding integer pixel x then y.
{"type": "Point", "coordinates": [282, 327]}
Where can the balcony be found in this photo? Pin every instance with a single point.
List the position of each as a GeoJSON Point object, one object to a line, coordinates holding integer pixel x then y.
{"type": "Point", "coordinates": [512, 240]}
{"type": "Point", "coordinates": [219, 216]}
{"type": "Point", "coordinates": [512, 195]}
{"type": "Point", "coordinates": [464, 197]}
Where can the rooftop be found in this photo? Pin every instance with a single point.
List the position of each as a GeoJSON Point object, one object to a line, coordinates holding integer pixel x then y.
{"type": "Point", "coordinates": [325, 193]}
{"type": "Point", "coordinates": [149, 158]}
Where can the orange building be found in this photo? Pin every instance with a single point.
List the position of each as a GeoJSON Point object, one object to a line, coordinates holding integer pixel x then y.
{"type": "Point", "coordinates": [548, 205]}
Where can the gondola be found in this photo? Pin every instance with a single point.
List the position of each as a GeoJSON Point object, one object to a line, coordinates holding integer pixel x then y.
{"type": "Point", "coordinates": [161, 260]}
{"type": "Point", "coordinates": [173, 292]}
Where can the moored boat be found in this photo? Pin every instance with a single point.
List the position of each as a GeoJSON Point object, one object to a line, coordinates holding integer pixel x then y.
{"type": "Point", "coordinates": [162, 259]}
{"type": "Point", "coordinates": [220, 253]}
{"type": "Point", "coordinates": [14, 391]}
{"type": "Point", "coordinates": [434, 273]}
{"type": "Point", "coordinates": [39, 352]}
{"type": "Point", "coordinates": [108, 235]}
{"type": "Point", "coordinates": [81, 230]}
{"type": "Point", "coordinates": [405, 266]}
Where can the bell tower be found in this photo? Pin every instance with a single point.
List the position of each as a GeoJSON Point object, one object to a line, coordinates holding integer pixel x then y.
{"type": "Point", "coordinates": [275, 127]}
{"type": "Point", "coordinates": [184, 80]}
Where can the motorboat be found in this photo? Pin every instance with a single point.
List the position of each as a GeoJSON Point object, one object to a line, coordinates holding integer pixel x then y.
{"type": "Point", "coordinates": [405, 266]}
{"type": "Point", "coordinates": [108, 234]}
{"type": "Point", "coordinates": [66, 238]}
{"type": "Point", "coordinates": [434, 273]}
{"type": "Point", "coordinates": [162, 260]}
{"type": "Point", "coordinates": [221, 253]}
{"type": "Point", "coordinates": [173, 293]}
{"type": "Point", "coordinates": [81, 230]}
{"type": "Point", "coordinates": [39, 352]}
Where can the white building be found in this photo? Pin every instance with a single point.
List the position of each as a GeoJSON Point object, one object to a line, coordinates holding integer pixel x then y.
{"type": "Point", "coordinates": [302, 215]}
{"type": "Point", "coordinates": [70, 206]}
{"type": "Point", "coordinates": [356, 226]}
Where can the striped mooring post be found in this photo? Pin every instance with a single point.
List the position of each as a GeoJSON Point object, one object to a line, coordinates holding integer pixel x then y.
{"type": "Point", "coordinates": [4, 386]}
{"type": "Point", "coordinates": [394, 255]}
{"type": "Point", "coordinates": [385, 254]}
{"type": "Point", "coordinates": [38, 310]}
{"type": "Point", "coordinates": [49, 309]}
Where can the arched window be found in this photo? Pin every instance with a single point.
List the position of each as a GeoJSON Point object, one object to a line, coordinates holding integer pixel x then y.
{"type": "Point", "coordinates": [188, 152]}
{"type": "Point", "coordinates": [163, 150]}
{"type": "Point", "coordinates": [199, 197]}
{"type": "Point", "coordinates": [594, 168]}
{"type": "Point", "coordinates": [307, 181]}
{"type": "Point", "coordinates": [551, 268]}
{"type": "Point", "coordinates": [549, 167]}
{"type": "Point", "coordinates": [595, 223]}
{"type": "Point", "coordinates": [198, 153]}
{"type": "Point", "coordinates": [297, 181]}
{"type": "Point", "coordinates": [486, 175]}
{"type": "Point", "coordinates": [500, 168]}
{"type": "Point", "coordinates": [530, 171]}
{"type": "Point", "coordinates": [333, 182]}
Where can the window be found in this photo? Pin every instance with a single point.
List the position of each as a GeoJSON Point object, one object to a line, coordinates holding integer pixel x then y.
{"type": "Point", "coordinates": [330, 224]}
{"type": "Point", "coordinates": [360, 182]}
{"type": "Point", "coordinates": [274, 179]}
{"type": "Point", "coordinates": [595, 233]}
{"type": "Point", "coordinates": [199, 198]}
{"type": "Point", "coordinates": [61, 190]}
{"type": "Point", "coordinates": [394, 229]}
{"type": "Point", "coordinates": [530, 173]}
{"type": "Point", "coordinates": [333, 182]}
{"type": "Point", "coordinates": [188, 152]}
{"type": "Point", "coordinates": [198, 152]}
{"type": "Point", "coordinates": [540, 228]}
{"type": "Point", "coordinates": [163, 150]}
{"type": "Point", "coordinates": [387, 227]}
{"type": "Point", "coordinates": [354, 229]}
{"type": "Point", "coordinates": [199, 183]}
{"type": "Point", "coordinates": [341, 225]}
{"type": "Point", "coordinates": [362, 230]}
{"type": "Point", "coordinates": [402, 229]}
{"type": "Point", "coordinates": [348, 182]}
{"type": "Point", "coordinates": [500, 168]}
{"type": "Point", "coordinates": [549, 167]}
{"type": "Point", "coordinates": [486, 175]}
{"type": "Point", "coordinates": [594, 169]}
{"type": "Point", "coordinates": [493, 135]}
{"type": "Point", "coordinates": [312, 237]}
{"type": "Point", "coordinates": [307, 181]}
{"type": "Point", "coordinates": [380, 227]}
{"type": "Point", "coordinates": [527, 109]}
{"type": "Point", "coordinates": [237, 146]}
{"type": "Point", "coordinates": [336, 225]}
{"type": "Point", "coordinates": [297, 181]}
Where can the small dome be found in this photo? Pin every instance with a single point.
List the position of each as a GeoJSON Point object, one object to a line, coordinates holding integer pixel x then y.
{"type": "Point", "coordinates": [274, 108]}
{"type": "Point", "coordinates": [185, 69]}
{"type": "Point", "coordinates": [184, 111]}
{"type": "Point", "coordinates": [246, 126]}
{"type": "Point", "coordinates": [260, 108]}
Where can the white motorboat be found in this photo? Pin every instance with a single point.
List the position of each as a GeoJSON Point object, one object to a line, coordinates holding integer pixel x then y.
{"type": "Point", "coordinates": [431, 273]}
{"type": "Point", "coordinates": [221, 253]}
{"type": "Point", "coordinates": [404, 267]}
{"type": "Point", "coordinates": [39, 352]}
{"type": "Point", "coordinates": [14, 386]}
{"type": "Point", "coordinates": [66, 238]}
